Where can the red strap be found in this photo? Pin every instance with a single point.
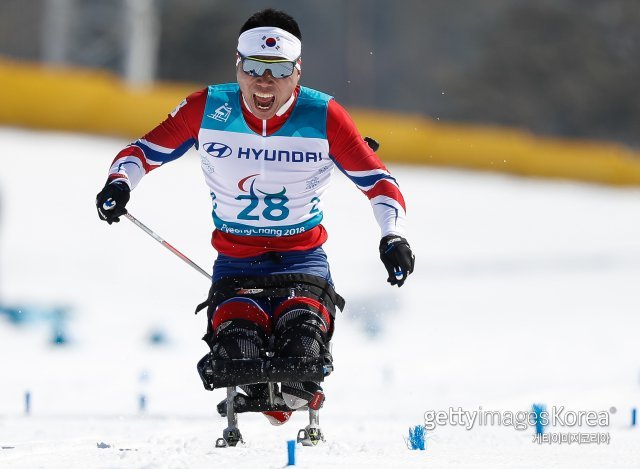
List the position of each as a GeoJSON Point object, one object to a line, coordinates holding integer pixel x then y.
{"type": "Point", "coordinates": [241, 308]}
{"type": "Point", "coordinates": [317, 400]}
{"type": "Point", "coordinates": [292, 303]}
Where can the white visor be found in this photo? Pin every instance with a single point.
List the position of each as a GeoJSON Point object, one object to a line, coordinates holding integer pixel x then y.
{"type": "Point", "coordinates": [269, 41]}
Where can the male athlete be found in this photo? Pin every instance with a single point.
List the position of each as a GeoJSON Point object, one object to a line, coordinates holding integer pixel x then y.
{"type": "Point", "coordinates": [268, 148]}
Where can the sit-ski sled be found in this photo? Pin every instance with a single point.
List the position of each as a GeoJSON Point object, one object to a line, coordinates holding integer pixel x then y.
{"type": "Point", "coordinates": [230, 373]}
{"type": "Point", "coordinates": [217, 373]}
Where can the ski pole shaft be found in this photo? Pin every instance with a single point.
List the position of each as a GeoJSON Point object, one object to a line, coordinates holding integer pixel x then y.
{"type": "Point", "coordinates": [155, 236]}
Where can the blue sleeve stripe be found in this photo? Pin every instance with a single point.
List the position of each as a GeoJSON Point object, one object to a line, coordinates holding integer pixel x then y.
{"type": "Point", "coordinates": [368, 181]}
{"type": "Point", "coordinates": [395, 210]}
{"type": "Point", "coordinates": [364, 181]}
{"type": "Point", "coordinates": [162, 158]}
{"type": "Point", "coordinates": [120, 165]}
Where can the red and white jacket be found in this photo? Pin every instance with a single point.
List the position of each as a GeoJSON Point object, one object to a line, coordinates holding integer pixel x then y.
{"type": "Point", "coordinates": [267, 177]}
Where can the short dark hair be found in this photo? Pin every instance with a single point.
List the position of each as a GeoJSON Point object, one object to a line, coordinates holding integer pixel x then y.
{"type": "Point", "coordinates": [275, 18]}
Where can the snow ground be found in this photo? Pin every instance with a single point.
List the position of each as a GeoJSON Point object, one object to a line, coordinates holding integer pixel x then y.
{"type": "Point", "coordinates": [525, 291]}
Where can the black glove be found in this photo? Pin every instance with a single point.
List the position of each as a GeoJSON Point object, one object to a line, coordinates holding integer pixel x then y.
{"type": "Point", "coordinates": [372, 142]}
{"type": "Point", "coordinates": [396, 255]}
{"type": "Point", "coordinates": [111, 201]}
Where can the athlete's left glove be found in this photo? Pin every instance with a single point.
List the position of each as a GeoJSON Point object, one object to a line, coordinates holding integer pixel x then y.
{"type": "Point", "coordinates": [397, 258]}
{"type": "Point", "coordinates": [111, 201]}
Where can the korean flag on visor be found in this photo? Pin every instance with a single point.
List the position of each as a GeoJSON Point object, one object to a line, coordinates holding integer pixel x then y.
{"type": "Point", "coordinates": [268, 48]}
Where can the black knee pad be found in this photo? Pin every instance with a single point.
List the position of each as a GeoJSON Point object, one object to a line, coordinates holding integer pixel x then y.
{"type": "Point", "coordinates": [239, 338]}
{"type": "Point", "coordinates": [300, 333]}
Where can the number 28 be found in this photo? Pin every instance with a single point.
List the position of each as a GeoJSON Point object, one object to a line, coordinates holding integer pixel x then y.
{"type": "Point", "coordinates": [275, 209]}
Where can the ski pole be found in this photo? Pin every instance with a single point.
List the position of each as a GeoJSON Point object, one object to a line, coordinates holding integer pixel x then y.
{"type": "Point", "coordinates": [154, 235]}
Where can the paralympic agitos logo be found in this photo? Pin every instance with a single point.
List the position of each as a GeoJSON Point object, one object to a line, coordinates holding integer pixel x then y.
{"type": "Point", "coordinates": [217, 150]}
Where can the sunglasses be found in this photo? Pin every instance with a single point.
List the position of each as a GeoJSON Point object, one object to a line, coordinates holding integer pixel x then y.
{"type": "Point", "coordinates": [257, 67]}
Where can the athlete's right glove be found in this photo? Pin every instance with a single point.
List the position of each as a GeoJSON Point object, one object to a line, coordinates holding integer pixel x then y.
{"type": "Point", "coordinates": [397, 258]}
{"type": "Point", "coordinates": [372, 142]}
{"type": "Point", "coordinates": [111, 201]}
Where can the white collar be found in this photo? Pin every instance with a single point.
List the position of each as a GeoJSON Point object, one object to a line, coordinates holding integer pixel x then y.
{"type": "Point", "coordinates": [285, 107]}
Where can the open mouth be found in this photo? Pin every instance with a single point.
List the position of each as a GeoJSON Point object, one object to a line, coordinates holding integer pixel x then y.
{"type": "Point", "coordinates": [263, 101]}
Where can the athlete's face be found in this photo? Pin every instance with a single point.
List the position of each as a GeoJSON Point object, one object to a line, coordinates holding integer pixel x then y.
{"type": "Point", "coordinates": [266, 94]}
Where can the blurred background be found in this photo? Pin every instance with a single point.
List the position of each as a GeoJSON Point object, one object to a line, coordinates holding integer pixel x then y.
{"type": "Point", "coordinates": [556, 67]}
{"type": "Point", "coordinates": [525, 287]}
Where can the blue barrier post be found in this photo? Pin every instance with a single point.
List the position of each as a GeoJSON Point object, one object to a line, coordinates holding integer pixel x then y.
{"type": "Point", "coordinates": [538, 409]}
{"type": "Point", "coordinates": [27, 403]}
{"type": "Point", "coordinates": [291, 453]}
{"type": "Point", "coordinates": [417, 437]}
{"type": "Point", "coordinates": [142, 403]}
